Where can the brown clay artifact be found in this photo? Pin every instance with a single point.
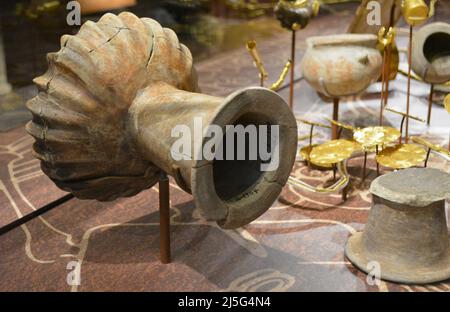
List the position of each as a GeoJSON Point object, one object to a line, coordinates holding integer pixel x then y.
{"type": "Point", "coordinates": [406, 232]}
{"type": "Point", "coordinates": [341, 65]}
{"type": "Point", "coordinates": [107, 105]}
{"type": "Point", "coordinates": [431, 52]}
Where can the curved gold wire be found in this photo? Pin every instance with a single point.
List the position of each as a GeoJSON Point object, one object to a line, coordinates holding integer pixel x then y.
{"type": "Point", "coordinates": [418, 78]}
{"type": "Point", "coordinates": [251, 48]}
{"type": "Point", "coordinates": [385, 38]}
{"type": "Point", "coordinates": [277, 84]}
{"type": "Point", "coordinates": [432, 8]}
{"type": "Point", "coordinates": [339, 185]}
{"type": "Point", "coordinates": [404, 114]}
{"type": "Point", "coordinates": [263, 74]}
{"type": "Point", "coordinates": [434, 147]}
{"type": "Point", "coordinates": [312, 123]}
{"type": "Point", "coordinates": [341, 124]}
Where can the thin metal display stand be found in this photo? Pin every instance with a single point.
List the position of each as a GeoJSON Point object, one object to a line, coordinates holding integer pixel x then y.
{"type": "Point", "coordinates": [408, 91]}
{"type": "Point", "coordinates": [291, 84]}
{"type": "Point", "coordinates": [334, 127]}
{"type": "Point", "coordinates": [430, 103]}
{"type": "Point", "coordinates": [164, 218]}
{"type": "Point", "coordinates": [36, 213]}
{"type": "Point", "coordinates": [388, 56]}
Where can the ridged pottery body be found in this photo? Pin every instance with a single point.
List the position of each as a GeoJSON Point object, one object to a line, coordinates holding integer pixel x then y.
{"type": "Point", "coordinates": [341, 65]}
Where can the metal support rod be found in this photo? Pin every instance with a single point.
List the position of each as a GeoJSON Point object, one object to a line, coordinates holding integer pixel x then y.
{"type": "Point", "coordinates": [334, 127]}
{"type": "Point", "coordinates": [311, 132]}
{"type": "Point", "coordinates": [36, 213]}
{"type": "Point", "coordinates": [345, 191]}
{"type": "Point", "coordinates": [392, 15]}
{"type": "Point", "coordinates": [401, 129]}
{"type": "Point", "coordinates": [291, 85]}
{"type": "Point", "coordinates": [408, 92]}
{"type": "Point", "coordinates": [383, 84]}
{"type": "Point", "coordinates": [389, 54]}
{"type": "Point", "coordinates": [378, 165]}
{"type": "Point", "coordinates": [388, 74]}
{"type": "Point", "coordinates": [340, 132]}
{"type": "Point", "coordinates": [164, 218]}
{"type": "Point", "coordinates": [430, 103]}
{"type": "Point", "coordinates": [311, 135]}
{"type": "Point", "coordinates": [364, 167]}
{"type": "Point", "coordinates": [426, 158]}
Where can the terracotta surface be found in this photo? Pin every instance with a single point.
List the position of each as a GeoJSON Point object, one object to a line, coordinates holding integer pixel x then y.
{"type": "Point", "coordinates": [107, 108]}
{"type": "Point", "coordinates": [431, 52]}
{"type": "Point", "coordinates": [297, 245]}
{"type": "Point", "coordinates": [406, 234]}
{"type": "Point", "coordinates": [213, 78]}
{"type": "Point", "coordinates": [340, 65]}
{"type": "Point", "coordinates": [80, 115]}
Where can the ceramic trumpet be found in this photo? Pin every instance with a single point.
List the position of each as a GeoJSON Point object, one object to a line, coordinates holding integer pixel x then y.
{"type": "Point", "coordinates": [106, 109]}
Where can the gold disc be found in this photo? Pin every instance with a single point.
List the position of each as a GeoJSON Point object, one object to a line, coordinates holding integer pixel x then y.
{"type": "Point", "coordinates": [401, 156]}
{"type": "Point", "coordinates": [372, 136]}
{"type": "Point", "coordinates": [333, 151]}
{"type": "Point", "coordinates": [447, 103]}
{"type": "Point", "coordinates": [305, 151]}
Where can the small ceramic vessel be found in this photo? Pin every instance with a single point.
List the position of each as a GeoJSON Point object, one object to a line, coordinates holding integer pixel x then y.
{"type": "Point", "coordinates": [340, 65]}
{"type": "Point", "coordinates": [430, 57]}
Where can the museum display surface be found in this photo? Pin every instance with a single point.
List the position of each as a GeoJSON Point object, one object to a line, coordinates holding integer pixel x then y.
{"type": "Point", "coordinates": [221, 145]}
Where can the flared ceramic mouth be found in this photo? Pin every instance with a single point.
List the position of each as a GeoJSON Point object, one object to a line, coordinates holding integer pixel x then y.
{"type": "Point", "coordinates": [436, 45]}
{"type": "Point", "coordinates": [342, 39]}
{"type": "Point", "coordinates": [248, 171]}
{"type": "Point", "coordinates": [236, 176]}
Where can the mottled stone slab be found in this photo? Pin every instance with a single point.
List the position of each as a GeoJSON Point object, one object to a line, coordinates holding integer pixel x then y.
{"type": "Point", "coordinates": [416, 187]}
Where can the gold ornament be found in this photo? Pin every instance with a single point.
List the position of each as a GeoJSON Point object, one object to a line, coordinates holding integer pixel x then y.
{"type": "Point", "coordinates": [333, 152]}
{"type": "Point", "coordinates": [401, 156]}
{"type": "Point", "coordinates": [372, 136]}
{"type": "Point", "coordinates": [414, 12]}
{"type": "Point", "coordinates": [447, 103]}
